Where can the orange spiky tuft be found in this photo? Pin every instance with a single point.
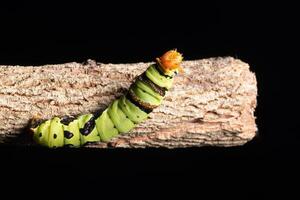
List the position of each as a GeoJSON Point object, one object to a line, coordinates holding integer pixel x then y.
{"type": "Point", "coordinates": [171, 60]}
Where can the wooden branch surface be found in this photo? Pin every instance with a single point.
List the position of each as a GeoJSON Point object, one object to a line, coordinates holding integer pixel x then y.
{"type": "Point", "coordinates": [212, 103]}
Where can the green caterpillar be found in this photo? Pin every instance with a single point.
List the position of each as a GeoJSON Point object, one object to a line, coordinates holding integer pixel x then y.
{"type": "Point", "coordinates": [121, 116]}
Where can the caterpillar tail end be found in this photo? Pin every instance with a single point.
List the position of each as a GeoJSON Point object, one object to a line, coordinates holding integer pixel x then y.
{"type": "Point", "coordinates": [33, 123]}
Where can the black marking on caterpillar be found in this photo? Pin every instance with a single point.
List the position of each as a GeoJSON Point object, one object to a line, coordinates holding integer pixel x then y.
{"type": "Point", "coordinates": [66, 120]}
{"type": "Point", "coordinates": [34, 123]}
{"type": "Point", "coordinates": [136, 103]}
{"type": "Point", "coordinates": [88, 127]}
{"type": "Point", "coordinates": [68, 134]}
{"type": "Point", "coordinates": [156, 88]}
{"type": "Point", "coordinates": [158, 68]}
{"type": "Point", "coordinates": [68, 145]}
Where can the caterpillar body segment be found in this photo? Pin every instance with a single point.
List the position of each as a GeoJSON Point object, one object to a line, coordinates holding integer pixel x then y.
{"type": "Point", "coordinates": [106, 127]}
{"type": "Point", "coordinates": [87, 129]}
{"type": "Point", "coordinates": [163, 81]}
{"type": "Point", "coordinates": [72, 134]}
{"type": "Point", "coordinates": [133, 112]}
{"type": "Point", "coordinates": [121, 116]}
{"type": "Point", "coordinates": [120, 120]}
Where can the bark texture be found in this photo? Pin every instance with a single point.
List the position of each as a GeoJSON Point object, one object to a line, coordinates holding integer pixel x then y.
{"type": "Point", "coordinates": [212, 103]}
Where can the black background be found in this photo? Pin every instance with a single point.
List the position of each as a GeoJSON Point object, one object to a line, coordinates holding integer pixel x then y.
{"type": "Point", "coordinates": [263, 35]}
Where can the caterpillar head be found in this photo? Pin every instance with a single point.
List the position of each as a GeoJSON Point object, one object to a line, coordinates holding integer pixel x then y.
{"type": "Point", "coordinates": [170, 62]}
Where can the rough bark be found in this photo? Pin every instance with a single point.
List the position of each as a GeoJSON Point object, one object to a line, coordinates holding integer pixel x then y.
{"type": "Point", "coordinates": [212, 103]}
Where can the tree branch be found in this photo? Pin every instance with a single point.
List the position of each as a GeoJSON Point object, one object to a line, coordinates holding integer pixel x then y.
{"type": "Point", "coordinates": [212, 103]}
